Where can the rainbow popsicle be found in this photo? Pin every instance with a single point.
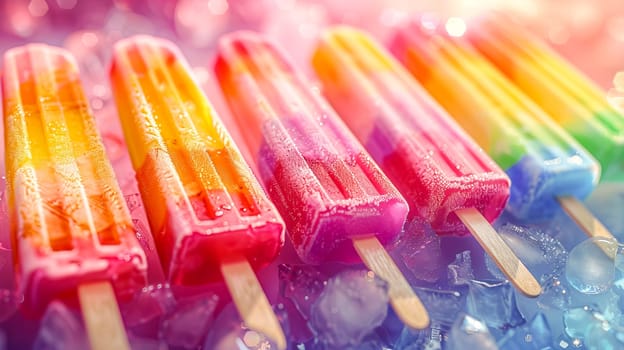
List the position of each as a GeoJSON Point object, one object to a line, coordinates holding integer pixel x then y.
{"type": "Point", "coordinates": [446, 178]}
{"type": "Point", "coordinates": [69, 221]}
{"type": "Point", "coordinates": [434, 164]}
{"type": "Point", "coordinates": [208, 213]}
{"type": "Point", "coordinates": [543, 162]}
{"type": "Point", "coordinates": [568, 97]}
{"type": "Point", "coordinates": [333, 197]}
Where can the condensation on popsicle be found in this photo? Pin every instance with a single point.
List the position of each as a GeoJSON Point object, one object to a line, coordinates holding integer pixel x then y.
{"type": "Point", "coordinates": [434, 164]}
{"type": "Point", "coordinates": [543, 162]}
{"type": "Point", "coordinates": [209, 216]}
{"type": "Point", "coordinates": [322, 181]}
{"type": "Point", "coordinates": [69, 221]}
{"type": "Point", "coordinates": [203, 202]}
{"type": "Point", "coordinates": [336, 202]}
{"type": "Point", "coordinates": [446, 178]}
{"type": "Point", "coordinates": [570, 98]}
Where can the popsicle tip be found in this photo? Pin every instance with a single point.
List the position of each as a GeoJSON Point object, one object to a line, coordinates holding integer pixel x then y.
{"type": "Point", "coordinates": [239, 36]}
{"type": "Point", "coordinates": [15, 52]}
{"type": "Point", "coordinates": [102, 317]}
{"type": "Point", "coordinates": [251, 302]}
{"type": "Point", "coordinates": [585, 219]}
{"type": "Point", "coordinates": [411, 312]}
{"type": "Point", "coordinates": [346, 32]}
{"type": "Point", "coordinates": [528, 286]}
{"type": "Point", "coordinates": [404, 301]}
{"type": "Point", "coordinates": [126, 43]}
{"type": "Point", "coordinates": [506, 260]}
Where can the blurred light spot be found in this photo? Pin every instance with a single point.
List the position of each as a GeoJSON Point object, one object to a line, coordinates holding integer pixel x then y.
{"type": "Point", "coordinates": [89, 39]}
{"type": "Point", "coordinates": [558, 34]}
{"type": "Point", "coordinates": [20, 20]}
{"type": "Point", "coordinates": [586, 17]}
{"type": "Point", "coordinates": [218, 7]}
{"type": "Point", "coordinates": [615, 28]}
{"type": "Point", "coordinates": [199, 21]}
{"type": "Point", "coordinates": [392, 17]}
{"type": "Point", "coordinates": [455, 26]}
{"type": "Point", "coordinates": [67, 4]}
{"type": "Point", "coordinates": [38, 8]}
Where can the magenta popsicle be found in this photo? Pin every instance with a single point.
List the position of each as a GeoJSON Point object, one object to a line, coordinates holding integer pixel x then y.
{"type": "Point", "coordinates": [332, 195]}
{"type": "Point", "coordinates": [447, 179]}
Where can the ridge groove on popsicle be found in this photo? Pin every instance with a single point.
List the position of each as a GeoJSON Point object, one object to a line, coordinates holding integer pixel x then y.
{"type": "Point", "coordinates": [210, 197]}
{"type": "Point", "coordinates": [296, 127]}
{"type": "Point", "coordinates": [543, 161]}
{"type": "Point", "coordinates": [356, 73]}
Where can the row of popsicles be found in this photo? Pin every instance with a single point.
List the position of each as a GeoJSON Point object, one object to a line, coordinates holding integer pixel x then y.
{"type": "Point", "coordinates": [343, 177]}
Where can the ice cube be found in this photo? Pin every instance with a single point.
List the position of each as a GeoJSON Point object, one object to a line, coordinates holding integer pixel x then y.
{"type": "Point", "coordinates": [433, 338]}
{"type": "Point", "coordinates": [541, 253]}
{"type": "Point", "coordinates": [554, 293]}
{"type": "Point", "coordinates": [535, 335]}
{"type": "Point", "coordinates": [302, 284]}
{"type": "Point", "coordinates": [460, 271]}
{"type": "Point", "coordinates": [590, 268]}
{"type": "Point", "coordinates": [60, 329]}
{"type": "Point", "coordinates": [470, 333]}
{"type": "Point", "coordinates": [562, 228]}
{"type": "Point", "coordinates": [443, 306]}
{"type": "Point", "coordinates": [602, 336]}
{"type": "Point", "coordinates": [187, 325]}
{"type": "Point", "coordinates": [555, 298]}
{"type": "Point", "coordinates": [229, 333]}
{"type": "Point", "coordinates": [351, 306]}
{"type": "Point", "coordinates": [577, 320]}
{"type": "Point", "coordinates": [390, 329]}
{"type": "Point", "coordinates": [149, 305]}
{"type": "Point", "coordinates": [494, 303]}
{"type": "Point", "coordinates": [420, 252]}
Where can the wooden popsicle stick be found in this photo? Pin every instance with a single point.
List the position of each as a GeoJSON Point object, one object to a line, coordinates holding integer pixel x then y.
{"type": "Point", "coordinates": [500, 252]}
{"type": "Point", "coordinates": [587, 221]}
{"type": "Point", "coordinates": [583, 217]}
{"type": "Point", "coordinates": [404, 301]}
{"type": "Point", "coordinates": [251, 302]}
{"type": "Point", "coordinates": [101, 315]}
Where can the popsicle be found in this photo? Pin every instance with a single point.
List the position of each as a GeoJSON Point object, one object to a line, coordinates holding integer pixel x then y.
{"type": "Point", "coordinates": [441, 172]}
{"type": "Point", "coordinates": [71, 231]}
{"type": "Point", "coordinates": [569, 98]}
{"type": "Point", "coordinates": [336, 202]}
{"type": "Point", "coordinates": [547, 167]}
{"type": "Point", "coordinates": [207, 211]}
